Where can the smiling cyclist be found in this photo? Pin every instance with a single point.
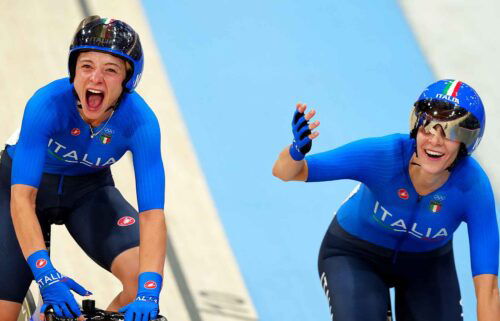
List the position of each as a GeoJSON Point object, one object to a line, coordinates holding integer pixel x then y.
{"type": "Point", "coordinates": [57, 170]}
{"type": "Point", "coordinates": [396, 227]}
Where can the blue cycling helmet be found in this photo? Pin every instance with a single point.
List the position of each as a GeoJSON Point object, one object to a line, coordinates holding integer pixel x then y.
{"type": "Point", "coordinates": [110, 36]}
{"type": "Point", "coordinates": [456, 107]}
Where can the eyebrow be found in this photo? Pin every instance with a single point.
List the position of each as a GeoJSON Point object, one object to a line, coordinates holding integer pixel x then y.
{"type": "Point", "coordinates": [114, 64]}
{"type": "Point", "coordinates": [107, 63]}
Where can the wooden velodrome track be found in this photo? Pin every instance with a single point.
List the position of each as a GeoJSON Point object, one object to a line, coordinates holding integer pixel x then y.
{"type": "Point", "coordinates": [202, 279]}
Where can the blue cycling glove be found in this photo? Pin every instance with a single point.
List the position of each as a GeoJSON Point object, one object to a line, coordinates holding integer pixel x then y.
{"type": "Point", "coordinates": [145, 307]}
{"type": "Point", "coordinates": [55, 288]}
{"type": "Point", "coordinates": [301, 142]}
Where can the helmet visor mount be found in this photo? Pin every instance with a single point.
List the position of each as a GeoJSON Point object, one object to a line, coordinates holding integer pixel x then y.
{"type": "Point", "coordinates": [457, 123]}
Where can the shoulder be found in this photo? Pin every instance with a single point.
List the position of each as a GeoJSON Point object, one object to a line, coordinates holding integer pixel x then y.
{"type": "Point", "coordinates": [60, 88]}
{"type": "Point", "coordinates": [470, 176]}
{"type": "Point", "coordinates": [49, 103]}
{"type": "Point", "coordinates": [136, 118]}
{"type": "Point", "coordinates": [54, 94]}
{"type": "Point", "coordinates": [137, 110]}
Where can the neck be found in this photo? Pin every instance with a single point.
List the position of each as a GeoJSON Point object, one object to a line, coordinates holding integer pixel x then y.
{"type": "Point", "coordinates": [98, 121]}
{"type": "Point", "coordinates": [425, 182]}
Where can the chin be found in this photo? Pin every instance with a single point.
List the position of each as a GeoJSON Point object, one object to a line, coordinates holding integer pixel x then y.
{"type": "Point", "coordinates": [93, 115]}
{"type": "Point", "coordinates": [89, 115]}
{"type": "Point", "coordinates": [434, 170]}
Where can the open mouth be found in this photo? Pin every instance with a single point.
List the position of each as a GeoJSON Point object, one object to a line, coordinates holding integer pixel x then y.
{"type": "Point", "coordinates": [433, 154]}
{"type": "Point", "coordinates": [94, 99]}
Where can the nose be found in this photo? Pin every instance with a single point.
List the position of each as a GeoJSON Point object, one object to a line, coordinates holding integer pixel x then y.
{"type": "Point", "coordinates": [437, 136]}
{"type": "Point", "coordinates": [96, 76]}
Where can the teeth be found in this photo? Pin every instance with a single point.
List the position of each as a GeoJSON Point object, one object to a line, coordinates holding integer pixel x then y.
{"type": "Point", "coordinates": [95, 91]}
{"type": "Point", "coordinates": [433, 153]}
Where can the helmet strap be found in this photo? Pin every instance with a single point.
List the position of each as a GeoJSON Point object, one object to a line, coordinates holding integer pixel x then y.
{"type": "Point", "coordinates": [414, 136]}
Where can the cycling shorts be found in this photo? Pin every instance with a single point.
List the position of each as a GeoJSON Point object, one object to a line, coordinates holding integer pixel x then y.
{"type": "Point", "coordinates": [356, 276]}
{"type": "Point", "coordinates": [95, 213]}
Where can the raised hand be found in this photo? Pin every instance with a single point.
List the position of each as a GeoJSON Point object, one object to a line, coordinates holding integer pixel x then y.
{"type": "Point", "coordinates": [302, 132]}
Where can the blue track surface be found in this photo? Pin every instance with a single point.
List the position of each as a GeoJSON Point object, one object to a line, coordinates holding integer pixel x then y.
{"type": "Point", "coordinates": [237, 69]}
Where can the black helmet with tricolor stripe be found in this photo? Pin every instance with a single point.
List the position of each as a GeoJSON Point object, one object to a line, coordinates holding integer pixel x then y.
{"type": "Point", "coordinates": [110, 36]}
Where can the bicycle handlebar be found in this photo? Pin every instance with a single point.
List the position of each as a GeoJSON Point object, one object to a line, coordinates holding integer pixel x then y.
{"type": "Point", "coordinates": [90, 312]}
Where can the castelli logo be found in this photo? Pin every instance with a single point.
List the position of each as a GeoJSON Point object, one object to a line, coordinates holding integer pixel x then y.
{"type": "Point", "coordinates": [75, 131]}
{"type": "Point", "coordinates": [126, 221]}
{"type": "Point", "coordinates": [41, 263]}
{"type": "Point", "coordinates": [403, 194]}
{"type": "Point", "coordinates": [150, 285]}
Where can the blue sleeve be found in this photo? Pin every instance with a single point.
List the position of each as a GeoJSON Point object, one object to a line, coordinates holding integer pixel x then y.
{"type": "Point", "coordinates": [148, 165]}
{"type": "Point", "coordinates": [31, 148]}
{"type": "Point", "coordinates": [361, 160]}
{"type": "Point", "coordinates": [482, 227]}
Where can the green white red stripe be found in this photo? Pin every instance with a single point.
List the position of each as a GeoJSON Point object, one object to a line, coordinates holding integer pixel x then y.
{"type": "Point", "coordinates": [105, 139]}
{"type": "Point", "coordinates": [435, 206]}
{"type": "Point", "coordinates": [452, 88]}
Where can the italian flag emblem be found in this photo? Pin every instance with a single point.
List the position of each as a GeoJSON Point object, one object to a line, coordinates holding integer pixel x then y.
{"type": "Point", "coordinates": [435, 206]}
{"type": "Point", "coordinates": [452, 88]}
{"type": "Point", "coordinates": [105, 139]}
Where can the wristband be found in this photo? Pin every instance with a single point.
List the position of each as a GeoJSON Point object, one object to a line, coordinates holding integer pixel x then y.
{"type": "Point", "coordinates": [295, 152]}
{"type": "Point", "coordinates": [42, 269]}
{"type": "Point", "coordinates": [150, 284]}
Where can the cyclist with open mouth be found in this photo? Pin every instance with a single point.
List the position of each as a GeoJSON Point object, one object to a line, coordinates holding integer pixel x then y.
{"type": "Point", "coordinates": [396, 227]}
{"type": "Point", "coordinates": [57, 170]}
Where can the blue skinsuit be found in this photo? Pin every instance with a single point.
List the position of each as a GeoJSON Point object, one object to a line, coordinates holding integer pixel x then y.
{"type": "Point", "coordinates": [54, 139]}
{"type": "Point", "coordinates": [56, 154]}
{"type": "Point", "coordinates": [392, 227]}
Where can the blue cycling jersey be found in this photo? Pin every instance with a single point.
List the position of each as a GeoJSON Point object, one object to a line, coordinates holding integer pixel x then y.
{"type": "Point", "coordinates": [385, 208]}
{"type": "Point", "coordinates": [54, 139]}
